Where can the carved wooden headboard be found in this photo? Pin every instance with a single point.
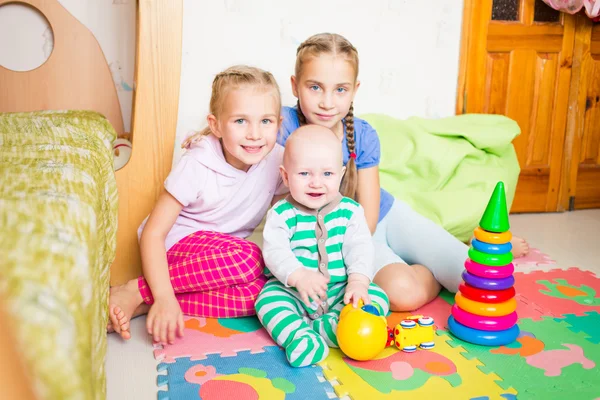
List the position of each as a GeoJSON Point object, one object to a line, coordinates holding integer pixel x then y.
{"type": "Point", "coordinates": [77, 76]}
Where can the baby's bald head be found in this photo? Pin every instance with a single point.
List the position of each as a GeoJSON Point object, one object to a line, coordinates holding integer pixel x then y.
{"type": "Point", "coordinates": [307, 140]}
{"type": "Point", "coordinates": [313, 165]}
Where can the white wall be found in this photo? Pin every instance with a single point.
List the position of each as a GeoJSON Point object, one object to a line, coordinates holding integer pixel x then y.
{"type": "Point", "coordinates": [26, 41]}
{"type": "Point", "coordinates": [408, 49]}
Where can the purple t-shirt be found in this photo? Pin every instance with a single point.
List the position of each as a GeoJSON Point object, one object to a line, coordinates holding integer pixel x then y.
{"type": "Point", "coordinates": [218, 197]}
{"type": "Point", "coordinates": [367, 148]}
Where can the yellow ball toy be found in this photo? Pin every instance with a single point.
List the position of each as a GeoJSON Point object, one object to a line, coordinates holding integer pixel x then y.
{"type": "Point", "coordinates": [361, 335]}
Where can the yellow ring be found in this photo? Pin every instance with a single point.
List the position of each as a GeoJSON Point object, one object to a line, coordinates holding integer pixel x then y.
{"type": "Point", "coordinates": [486, 309]}
{"type": "Point", "coordinates": [492, 237]}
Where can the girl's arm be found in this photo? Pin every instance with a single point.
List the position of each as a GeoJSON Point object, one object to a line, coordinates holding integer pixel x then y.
{"type": "Point", "coordinates": [152, 245]}
{"type": "Point", "coordinates": [368, 194]}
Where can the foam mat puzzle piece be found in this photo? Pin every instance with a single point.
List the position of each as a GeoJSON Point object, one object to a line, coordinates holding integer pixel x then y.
{"type": "Point", "coordinates": [557, 292]}
{"type": "Point", "coordinates": [530, 375]}
{"type": "Point", "coordinates": [589, 324]}
{"type": "Point", "coordinates": [529, 309]}
{"type": "Point", "coordinates": [222, 327]}
{"type": "Point", "coordinates": [400, 371]}
{"type": "Point", "coordinates": [534, 257]}
{"type": "Point", "coordinates": [198, 342]}
{"type": "Point", "coordinates": [268, 373]}
{"type": "Point", "coordinates": [473, 382]}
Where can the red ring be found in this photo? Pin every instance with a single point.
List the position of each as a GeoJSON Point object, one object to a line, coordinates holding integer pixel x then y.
{"type": "Point", "coordinates": [486, 296]}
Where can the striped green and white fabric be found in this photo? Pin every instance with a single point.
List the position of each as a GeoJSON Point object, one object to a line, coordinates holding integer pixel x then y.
{"type": "Point", "coordinates": [335, 241]}
{"type": "Point", "coordinates": [290, 322]}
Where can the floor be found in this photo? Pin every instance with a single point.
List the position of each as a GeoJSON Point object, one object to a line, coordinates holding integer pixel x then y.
{"type": "Point", "coordinates": [572, 239]}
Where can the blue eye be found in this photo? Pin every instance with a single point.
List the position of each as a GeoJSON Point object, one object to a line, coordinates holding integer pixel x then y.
{"type": "Point", "coordinates": [341, 90]}
{"type": "Point", "coordinates": [314, 87]}
{"type": "Point", "coordinates": [328, 174]}
{"type": "Point", "coordinates": [239, 121]}
{"type": "Point", "coordinates": [303, 173]}
{"type": "Point", "coordinates": [266, 121]}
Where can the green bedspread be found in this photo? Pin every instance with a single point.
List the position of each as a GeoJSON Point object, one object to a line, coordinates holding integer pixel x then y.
{"type": "Point", "coordinates": [58, 213]}
{"type": "Point", "coordinates": [446, 169]}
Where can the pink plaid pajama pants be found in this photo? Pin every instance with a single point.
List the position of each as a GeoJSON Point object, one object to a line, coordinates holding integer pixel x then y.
{"type": "Point", "coordinates": [213, 275]}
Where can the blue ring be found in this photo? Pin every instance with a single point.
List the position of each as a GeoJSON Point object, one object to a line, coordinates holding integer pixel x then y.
{"type": "Point", "coordinates": [484, 338]}
{"type": "Point", "coordinates": [489, 248]}
{"type": "Point", "coordinates": [488, 283]}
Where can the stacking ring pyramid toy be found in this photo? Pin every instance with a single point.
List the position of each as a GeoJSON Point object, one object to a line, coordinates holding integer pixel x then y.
{"type": "Point", "coordinates": [485, 309]}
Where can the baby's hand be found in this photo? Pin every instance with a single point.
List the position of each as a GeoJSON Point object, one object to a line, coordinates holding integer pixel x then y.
{"type": "Point", "coordinates": [356, 289]}
{"type": "Point", "coordinates": [311, 284]}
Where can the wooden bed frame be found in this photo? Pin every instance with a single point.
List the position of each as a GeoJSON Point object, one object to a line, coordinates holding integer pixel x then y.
{"type": "Point", "coordinates": [77, 76]}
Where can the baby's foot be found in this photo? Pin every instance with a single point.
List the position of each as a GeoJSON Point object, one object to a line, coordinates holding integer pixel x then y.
{"type": "Point", "coordinates": [308, 349]}
{"type": "Point", "coordinates": [123, 302]}
{"type": "Point", "coordinates": [520, 247]}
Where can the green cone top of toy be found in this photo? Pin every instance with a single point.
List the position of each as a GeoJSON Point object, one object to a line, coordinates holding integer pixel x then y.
{"type": "Point", "coordinates": [495, 217]}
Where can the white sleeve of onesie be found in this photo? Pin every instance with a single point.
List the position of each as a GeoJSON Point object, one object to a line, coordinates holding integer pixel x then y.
{"type": "Point", "coordinates": [357, 248]}
{"type": "Point", "coordinates": [277, 252]}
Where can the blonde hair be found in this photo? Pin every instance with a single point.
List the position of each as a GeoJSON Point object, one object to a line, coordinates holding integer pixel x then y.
{"type": "Point", "coordinates": [234, 78]}
{"type": "Point", "coordinates": [332, 43]}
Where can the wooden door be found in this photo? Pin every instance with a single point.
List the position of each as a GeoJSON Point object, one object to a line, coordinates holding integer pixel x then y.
{"type": "Point", "coordinates": [516, 60]}
{"type": "Point", "coordinates": [581, 172]}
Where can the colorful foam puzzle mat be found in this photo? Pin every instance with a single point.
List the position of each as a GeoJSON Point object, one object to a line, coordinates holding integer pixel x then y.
{"type": "Point", "coordinates": [556, 356]}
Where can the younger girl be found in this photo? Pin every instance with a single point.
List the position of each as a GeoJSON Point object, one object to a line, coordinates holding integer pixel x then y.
{"type": "Point", "coordinates": [194, 257]}
{"type": "Point", "coordinates": [413, 255]}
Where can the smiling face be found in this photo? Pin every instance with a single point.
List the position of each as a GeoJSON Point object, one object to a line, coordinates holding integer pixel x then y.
{"type": "Point", "coordinates": [325, 89]}
{"type": "Point", "coordinates": [247, 125]}
{"type": "Point", "coordinates": [312, 166]}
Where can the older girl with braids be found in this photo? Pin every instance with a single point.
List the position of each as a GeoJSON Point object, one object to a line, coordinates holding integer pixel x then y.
{"type": "Point", "coordinates": [194, 256]}
{"type": "Point", "coordinates": [414, 257]}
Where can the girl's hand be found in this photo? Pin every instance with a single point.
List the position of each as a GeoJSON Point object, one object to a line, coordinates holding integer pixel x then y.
{"type": "Point", "coordinates": [357, 289]}
{"type": "Point", "coordinates": [310, 284]}
{"type": "Point", "coordinates": [165, 320]}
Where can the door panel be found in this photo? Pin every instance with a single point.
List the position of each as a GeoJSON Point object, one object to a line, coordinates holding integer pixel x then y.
{"type": "Point", "coordinates": [587, 192]}
{"type": "Point", "coordinates": [519, 64]}
{"type": "Point", "coordinates": [582, 169]}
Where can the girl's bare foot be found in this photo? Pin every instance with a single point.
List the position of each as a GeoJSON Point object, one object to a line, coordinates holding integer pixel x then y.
{"type": "Point", "coordinates": [520, 247]}
{"type": "Point", "coordinates": [123, 303]}
{"type": "Point", "coordinates": [141, 310]}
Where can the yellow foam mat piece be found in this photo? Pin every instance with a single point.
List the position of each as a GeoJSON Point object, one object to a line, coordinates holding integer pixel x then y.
{"type": "Point", "coordinates": [474, 382]}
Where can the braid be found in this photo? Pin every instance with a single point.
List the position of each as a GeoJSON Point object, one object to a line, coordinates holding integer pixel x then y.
{"type": "Point", "coordinates": [304, 45]}
{"type": "Point", "coordinates": [349, 120]}
{"type": "Point", "coordinates": [301, 116]}
{"type": "Point", "coordinates": [233, 71]}
{"type": "Point", "coordinates": [349, 183]}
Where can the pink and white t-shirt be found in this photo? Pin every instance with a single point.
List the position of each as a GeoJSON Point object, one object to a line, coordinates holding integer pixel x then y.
{"type": "Point", "coordinates": [218, 197]}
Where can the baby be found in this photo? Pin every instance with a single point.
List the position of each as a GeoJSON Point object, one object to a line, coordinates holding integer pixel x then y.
{"type": "Point", "coordinates": [318, 248]}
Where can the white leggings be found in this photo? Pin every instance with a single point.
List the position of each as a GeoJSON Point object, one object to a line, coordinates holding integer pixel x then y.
{"type": "Point", "coordinates": [405, 236]}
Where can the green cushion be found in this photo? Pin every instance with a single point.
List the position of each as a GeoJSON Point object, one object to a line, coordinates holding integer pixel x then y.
{"type": "Point", "coordinates": [447, 168]}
